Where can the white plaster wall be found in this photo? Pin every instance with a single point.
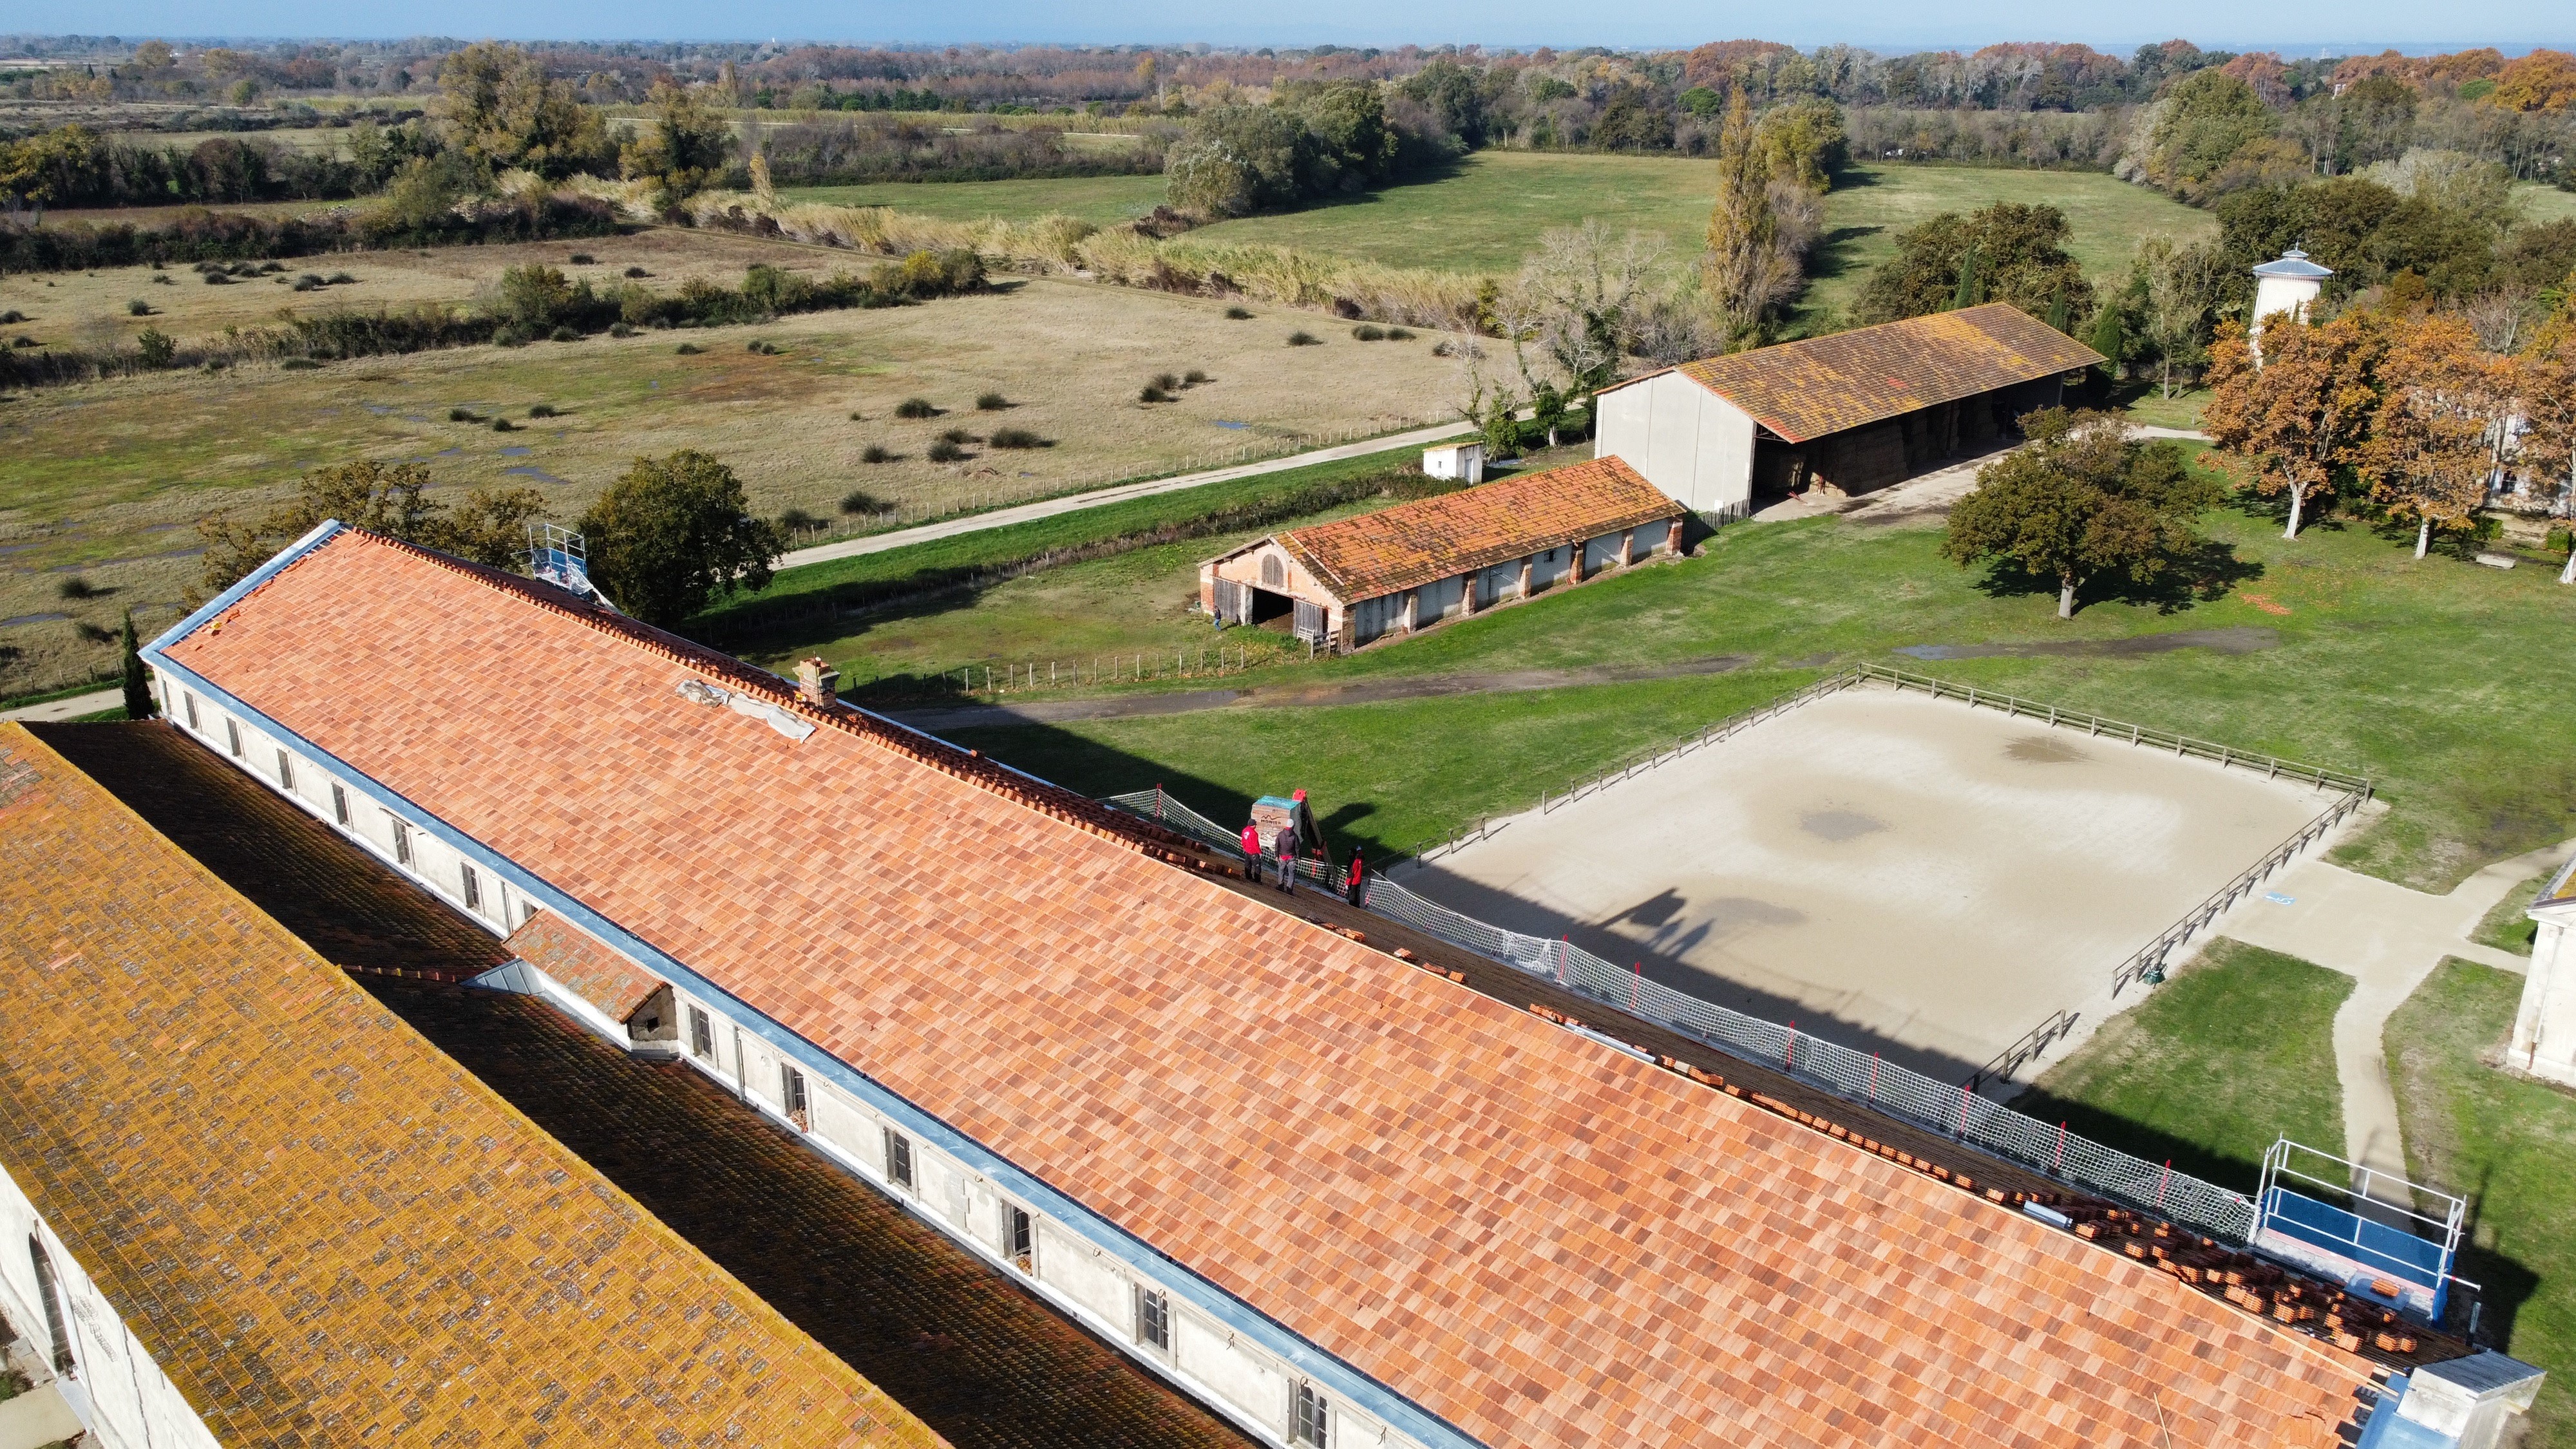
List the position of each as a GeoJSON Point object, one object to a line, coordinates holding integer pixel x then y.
{"type": "Point", "coordinates": [1084, 1275]}
{"type": "Point", "coordinates": [1694, 445]}
{"type": "Point", "coordinates": [1549, 568]}
{"type": "Point", "coordinates": [1602, 554]}
{"type": "Point", "coordinates": [1208, 1353]}
{"type": "Point", "coordinates": [114, 1385]}
{"type": "Point", "coordinates": [2544, 1029]}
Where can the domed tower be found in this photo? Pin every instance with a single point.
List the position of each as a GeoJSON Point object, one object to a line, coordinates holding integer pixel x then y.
{"type": "Point", "coordinates": [2288, 285]}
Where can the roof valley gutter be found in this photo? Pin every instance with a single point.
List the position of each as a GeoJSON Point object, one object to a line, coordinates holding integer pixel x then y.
{"type": "Point", "coordinates": [1338, 1375]}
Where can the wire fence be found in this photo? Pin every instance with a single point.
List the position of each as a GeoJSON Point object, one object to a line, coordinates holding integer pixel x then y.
{"type": "Point", "coordinates": [1136, 666]}
{"type": "Point", "coordinates": [1953, 1110]}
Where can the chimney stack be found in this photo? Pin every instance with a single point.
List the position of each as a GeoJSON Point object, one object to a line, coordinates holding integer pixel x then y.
{"type": "Point", "coordinates": [817, 683]}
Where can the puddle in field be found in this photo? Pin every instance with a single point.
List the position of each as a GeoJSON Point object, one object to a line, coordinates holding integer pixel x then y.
{"type": "Point", "coordinates": [32, 619]}
{"type": "Point", "coordinates": [1230, 425]}
{"type": "Point", "coordinates": [540, 474]}
{"type": "Point", "coordinates": [516, 452]}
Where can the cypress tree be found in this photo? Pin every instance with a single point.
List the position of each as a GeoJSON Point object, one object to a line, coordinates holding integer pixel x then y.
{"type": "Point", "coordinates": [139, 703]}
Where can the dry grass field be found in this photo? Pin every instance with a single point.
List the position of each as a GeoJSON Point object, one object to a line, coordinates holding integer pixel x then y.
{"type": "Point", "coordinates": [104, 481]}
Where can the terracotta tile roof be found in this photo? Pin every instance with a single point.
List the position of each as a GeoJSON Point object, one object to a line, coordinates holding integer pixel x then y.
{"type": "Point", "coordinates": [323, 1230]}
{"type": "Point", "coordinates": [1419, 543]}
{"type": "Point", "coordinates": [1529, 1234]}
{"type": "Point", "coordinates": [1804, 390]}
{"type": "Point", "coordinates": [595, 973]}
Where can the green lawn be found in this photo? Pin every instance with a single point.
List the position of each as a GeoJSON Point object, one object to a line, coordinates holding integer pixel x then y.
{"type": "Point", "coordinates": [2107, 216]}
{"type": "Point", "coordinates": [2506, 927]}
{"type": "Point", "coordinates": [2234, 1051]}
{"type": "Point", "coordinates": [1486, 213]}
{"type": "Point", "coordinates": [2545, 203]}
{"type": "Point", "coordinates": [1100, 200]}
{"type": "Point", "coordinates": [2510, 1144]}
{"type": "Point", "coordinates": [2431, 677]}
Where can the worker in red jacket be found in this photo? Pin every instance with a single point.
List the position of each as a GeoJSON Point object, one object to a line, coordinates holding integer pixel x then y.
{"type": "Point", "coordinates": [1357, 887]}
{"type": "Point", "coordinates": [1252, 852]}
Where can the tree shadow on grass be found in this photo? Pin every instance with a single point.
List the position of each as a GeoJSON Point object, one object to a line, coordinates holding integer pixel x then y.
{"type": "Point", "coordinates": [2194, 574]}
{"type": "Point", "coordinates": [1837, 251]}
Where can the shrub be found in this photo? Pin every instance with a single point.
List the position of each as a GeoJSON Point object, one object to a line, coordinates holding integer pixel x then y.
{"type": "Point", "coordinates": [1152, 394]}
{"type": "Point", "coordinates": [1304, 339]}
{"type": "Point", "coordinates": [138, 308]}
{"type": "Point", "coordinates": [637, 272]}
{"type": "Point", "coordinates": [267, 267]}
{"type": "Point", "coordinates": [509, 337]}
{"type": "Point", "coordinates": [542, 410]}
{"type": "Point", "coordinates": [688, 349]}
{"type": "Point", "coordinates": [292, 364]}
{"type": "Point", "coordinates": [12, 315]}
{"type": "Point", "coordinates": [156, 347]}
{"type": "Point", "coordinates": [1193, 378]}
{"type": "Point", "coordinates": [915, 407]}
{"type": "Point", "coordinates": [304, 283]}
{"type": "Point", "coordinates": [620, 329]}
{"type": "Point", "coordinates": [340, 279]}
{"type": "Point", "coordinates": [1238, 314]}
{"type": "Point", "coordinates": [75, 587]}
{"type": "Point", "coordinates": [581, 259]}
{"type": "Point", "coordinates": [2558, 540]}
{"type": "Point", "coordinates": [163, 279]}
{"type": "Point", "coordinates": [563, 334]}
{"type": "Point", "coordinates": [1017, 438]}
{"type": "Point", "coordinates": [1442, 348]}
{"type": "Point", "coordinates": [463, 415]}
{"type": "Point", "coordinates": [218, 279]}
{"type": "Point", "coordinates": [876, 453]}
{"type": "Point", "coordinates": [1167, 382]}
{"type": "Point", "coordinates": [945, 451]}
{"type": "Point", "coordinates": [860, 500]}
{"type": "Point", "coordinates": [23, 340]}
{"type": "Point", "coordinates": [797, 518]}
{"type": "Point", "coordinates": [1398, 334]}
{"type": "Point", "coordinates": [504, 425]}
{"type": "Point", "coordinates": [1366, 333]}
{"type": "Point", "coordinates": [991, 402]}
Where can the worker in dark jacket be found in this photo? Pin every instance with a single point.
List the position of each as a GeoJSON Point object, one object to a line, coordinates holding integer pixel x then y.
{"type": "Point", "coordinates": [1288, 859]}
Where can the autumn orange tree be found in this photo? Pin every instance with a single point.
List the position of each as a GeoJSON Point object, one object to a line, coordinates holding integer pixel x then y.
{"type": "Point", "coordinates": [2428, 456]}
{"type": "Point", "coordinates": [2544, 396]}
{"type": "Point", "coordinates": [2290, 422]}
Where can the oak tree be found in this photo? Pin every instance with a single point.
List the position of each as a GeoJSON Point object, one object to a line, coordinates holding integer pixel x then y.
{"type": "Point", "coordinates": [2081, 499]}
{"type": "Point", "coordinates": [675, 533]}
{"type": "Point", "coordinates": [2288, 423]}
{"type": "Point", "coordinates": [2427, 455]}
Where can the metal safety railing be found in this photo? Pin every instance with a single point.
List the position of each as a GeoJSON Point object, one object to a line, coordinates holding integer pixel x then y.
{"type": "Point", "coordinates": [1954, 1110]}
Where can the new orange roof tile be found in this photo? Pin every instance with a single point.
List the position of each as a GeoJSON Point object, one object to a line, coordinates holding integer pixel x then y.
{"type": "Point", "coordinates": [1803, 390]}
{"type": "Point", "coordinates": [593, 972]}
{"type": "Point", "coordinates": [1533, 1236]}
{"type": "Point", "coordinates": [1438, 538]}
{"type": "Point", "coordinates": [322, 1229]}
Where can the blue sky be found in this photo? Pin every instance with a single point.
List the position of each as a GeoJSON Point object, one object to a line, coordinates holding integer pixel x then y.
{"type": "Point", "coordinates": [2356, 25]}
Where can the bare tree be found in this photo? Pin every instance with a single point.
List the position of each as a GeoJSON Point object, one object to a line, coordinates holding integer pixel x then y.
{"type": "Point", "coordinates": [1578, 300]}
{"type": "Point", "coordinates": [2500, 317]}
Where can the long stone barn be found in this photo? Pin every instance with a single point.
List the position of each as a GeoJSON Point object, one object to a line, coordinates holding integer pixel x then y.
{"type": "Point", "coordinates": [1845, 414]}
{"type": "Point", "coordinates": [1344, 1201]}
{"type": "Point", "coordinates": [1356, 580]}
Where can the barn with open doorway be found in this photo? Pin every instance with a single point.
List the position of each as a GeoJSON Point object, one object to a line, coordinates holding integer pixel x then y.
{"type": "Point", "coordinates": [1845, 414]}
{"type": "Point", "coordinates": [1354, 581]}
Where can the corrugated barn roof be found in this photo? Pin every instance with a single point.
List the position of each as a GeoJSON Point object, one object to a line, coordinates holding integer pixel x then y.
{"type": "Point", "coordinates": [1804, 390]}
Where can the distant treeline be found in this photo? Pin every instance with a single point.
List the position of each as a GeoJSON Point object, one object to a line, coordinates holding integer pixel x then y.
{"type": "Point", "coordinates": [847, 150]}
{"type": "Point", "coordinates": [208, 236]}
